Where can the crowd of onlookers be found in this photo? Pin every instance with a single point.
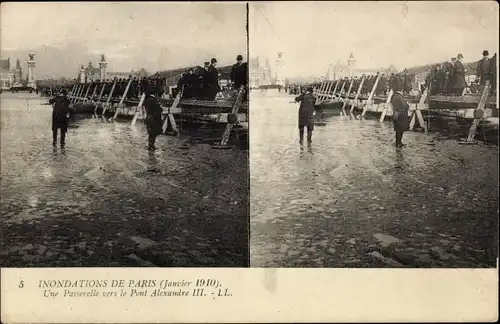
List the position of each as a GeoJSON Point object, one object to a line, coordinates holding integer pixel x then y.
{"type": "Point", "coordinates": [202, 83]}
{"type": "Point", "coordinates": [384, 84]}
{"type": "Point", "coordinates": [196, 83]}
{"type": "Point", "coordinates": [154, 84]}
{"type": "Point", "coordinates": [447, 78]}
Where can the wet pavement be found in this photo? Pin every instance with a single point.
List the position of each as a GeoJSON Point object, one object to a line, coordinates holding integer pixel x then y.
{"type": "Point", "coordinates": [106, 201]}
{"type": "Point", "coordinates": [352, 199]}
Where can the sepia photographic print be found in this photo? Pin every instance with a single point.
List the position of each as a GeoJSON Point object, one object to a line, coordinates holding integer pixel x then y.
{"type": "Point", "coordinates": [374, 137]}
{"type": "Point", "coordinates": [277, 161]}
{"type": "Point", "coordinates": [124, 135]}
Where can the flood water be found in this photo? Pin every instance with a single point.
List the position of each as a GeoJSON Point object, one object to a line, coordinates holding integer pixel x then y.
{"type": "Point", "coordinates": [105, 200]}
{"type": "Point", "coordinates": [352, 199]}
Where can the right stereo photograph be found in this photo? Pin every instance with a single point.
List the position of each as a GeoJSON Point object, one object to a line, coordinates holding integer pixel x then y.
{"type": "Point", "coordinates": [373, 134]}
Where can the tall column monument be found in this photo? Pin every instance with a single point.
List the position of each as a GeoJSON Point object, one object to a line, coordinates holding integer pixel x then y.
{"type": "Point", "coordinates": [280, 80]}
{"type": "Point", "coordinates": [351, 62]}
{"type": "Point", "coordinates": [82, 74]}
{"type": "Point", "coordinates": [31, 72]}
{"type": "Point", "coordinates": [102, 65]}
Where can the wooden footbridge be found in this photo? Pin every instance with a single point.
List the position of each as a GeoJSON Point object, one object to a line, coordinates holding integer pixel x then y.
{"type": "Point", "coordinates": [89, 98]}
{"type": "Point", "coordinates": [341, 97]}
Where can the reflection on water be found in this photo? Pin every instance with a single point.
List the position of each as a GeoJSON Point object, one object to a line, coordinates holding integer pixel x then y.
{"type": "Point", "coordinates": [307, 209]}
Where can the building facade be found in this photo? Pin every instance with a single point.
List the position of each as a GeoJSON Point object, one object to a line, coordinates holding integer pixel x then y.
{"type": "Point", "coordinates": [260, 74]}
{"type": "Point", "coordinates": [125, 75]}
{"type": "Point", "coordinates": [92, 73]}
{"type": "Point", "coordinates": [339, 71]}
{"type": "Point", "coordinates": [10, 77]}
{"type": "Point", "coordinates": [18, 74]}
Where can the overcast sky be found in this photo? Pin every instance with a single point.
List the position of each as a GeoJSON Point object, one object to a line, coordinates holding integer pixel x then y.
{"type": "Point", "coordinates": [155, 36]}
{"type": "Point", "coordinates": [314, 34]}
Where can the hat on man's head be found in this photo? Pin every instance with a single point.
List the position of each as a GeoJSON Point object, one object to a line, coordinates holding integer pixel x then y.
{"type": "Point", "coordinates": [453, 58]}
{"type": "Point", "coordinates": [459, 56]}
{"type": "Point", "coordinates": [206, 63]}
{"type": "Point", "coordinates": [486, 53]}
{"type": "Point", "coordinates": [214, 60]}
{"type": "Point", "coordinates": [64, 92]}
{"type": "Point", "coordinates": [239, 58]}
{"type": "Point", "coordinates": [310, 89]}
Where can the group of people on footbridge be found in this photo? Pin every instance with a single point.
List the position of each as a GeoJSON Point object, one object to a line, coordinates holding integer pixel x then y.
{"type": "Point", "coordinates": [137, 86]}
{"type": "Point", "coordinates": [445, 79]}
{"type": "Point", "coordinates": [449, 77]}
{"type": "Point", "coordinates": [384, 84]}
{"type": "Point", "coordinates": [153, 88]}
{"type": "Point", "coordinates": [202, 83]}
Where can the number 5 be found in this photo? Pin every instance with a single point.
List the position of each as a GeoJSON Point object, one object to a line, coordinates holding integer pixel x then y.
{"type": "Point", "coordinates": [21, 284]}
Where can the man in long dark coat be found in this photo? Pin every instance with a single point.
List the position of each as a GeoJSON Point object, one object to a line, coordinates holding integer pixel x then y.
{"type": "Point", "coordinates": [306, 114]}
{"type": "Point", "coordinates": [440, 79]}
{"type": "Point", "coordinates": [107, 88]}
{"type": "Point", "coordinates": [153, 118]}
{"type": "Point", "coordinates": [160, 86]}
{"type": "Point", "coordinates": [493, 73]}
{"type": "Point", "coordinates": [400, 113]}
{"type": "Point", "coordinates": [213, 81]}
{"type": "Point", "coordinates": [483, 68]}
{"type": "Point", "coordinates": [182, 86]}
{"type": "Point", "coordinates": [381, 86]}
{"type": "Point", "coordinates": [430, 81]}
{"type": "Point", "coordinates": [459, 82]}
{"type": "Point", "coordinates": [60, 113]}
{"type": "Point", "coordinates": [205, 81]}
{"type": "Point", "coordinates": [132, 91]}
{"type": "Point", "coordinates": [355, 85]}
{"type": "Point", "coordinates": [145, 85]}
{"type": "Point", "coordinates": [239, 73]}
{"type": "Point", "coordinates": [367, 85]}
{"type": "Point", "coordinates": [392, 80]}
{"type": "Point", "coordinates": [448, 70]}
{"type": "Point", "coordinates": [198, 83]}
{"type": "Point", "coordinates": [407, 82]}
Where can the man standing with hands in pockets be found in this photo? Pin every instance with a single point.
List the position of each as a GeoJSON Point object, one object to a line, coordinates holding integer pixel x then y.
{"type": "Point", "coordinates": [306, 114]}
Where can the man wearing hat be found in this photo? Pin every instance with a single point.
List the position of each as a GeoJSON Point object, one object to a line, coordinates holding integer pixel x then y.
{"type": "Point", "coordinates": [400, 113]}
{"type": "Point", "coordinates": [239, 73]}
{"type": "Point", "coordinates": [306, 114]}
{"type": "Point", "coordinates": [205, 81]}
{"type": "Point", "coordinates": [153, 117]}
{"type": "Point", "coordinates": [447, 68]}
{"type": "Point", "coordinates": [213, 80]}
{"type": "Point", "coordinates": [60, 111]}
{"type": "Point", "coordinates": [381, 85]}
{"type": "Point", "coordinates": [407, 86]}
{"type": "Point", "coordinates": [483, 68]}
{"type": "Point", "coordinates": [459, 82]}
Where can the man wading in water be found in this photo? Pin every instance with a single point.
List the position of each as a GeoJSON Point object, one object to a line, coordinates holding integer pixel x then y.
{"type": "Point", "coordinates": [60, 117]}
{"type": "Point", "coordinates": [153, 119]}
{"type": "Point", "coordinates": [306, 114]}
{"type": "Point", "coordinates": [400, 113]}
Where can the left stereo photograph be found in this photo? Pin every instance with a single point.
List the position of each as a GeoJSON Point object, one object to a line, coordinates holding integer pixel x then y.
{"type": "Point", "coordinates": [124, 137]}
